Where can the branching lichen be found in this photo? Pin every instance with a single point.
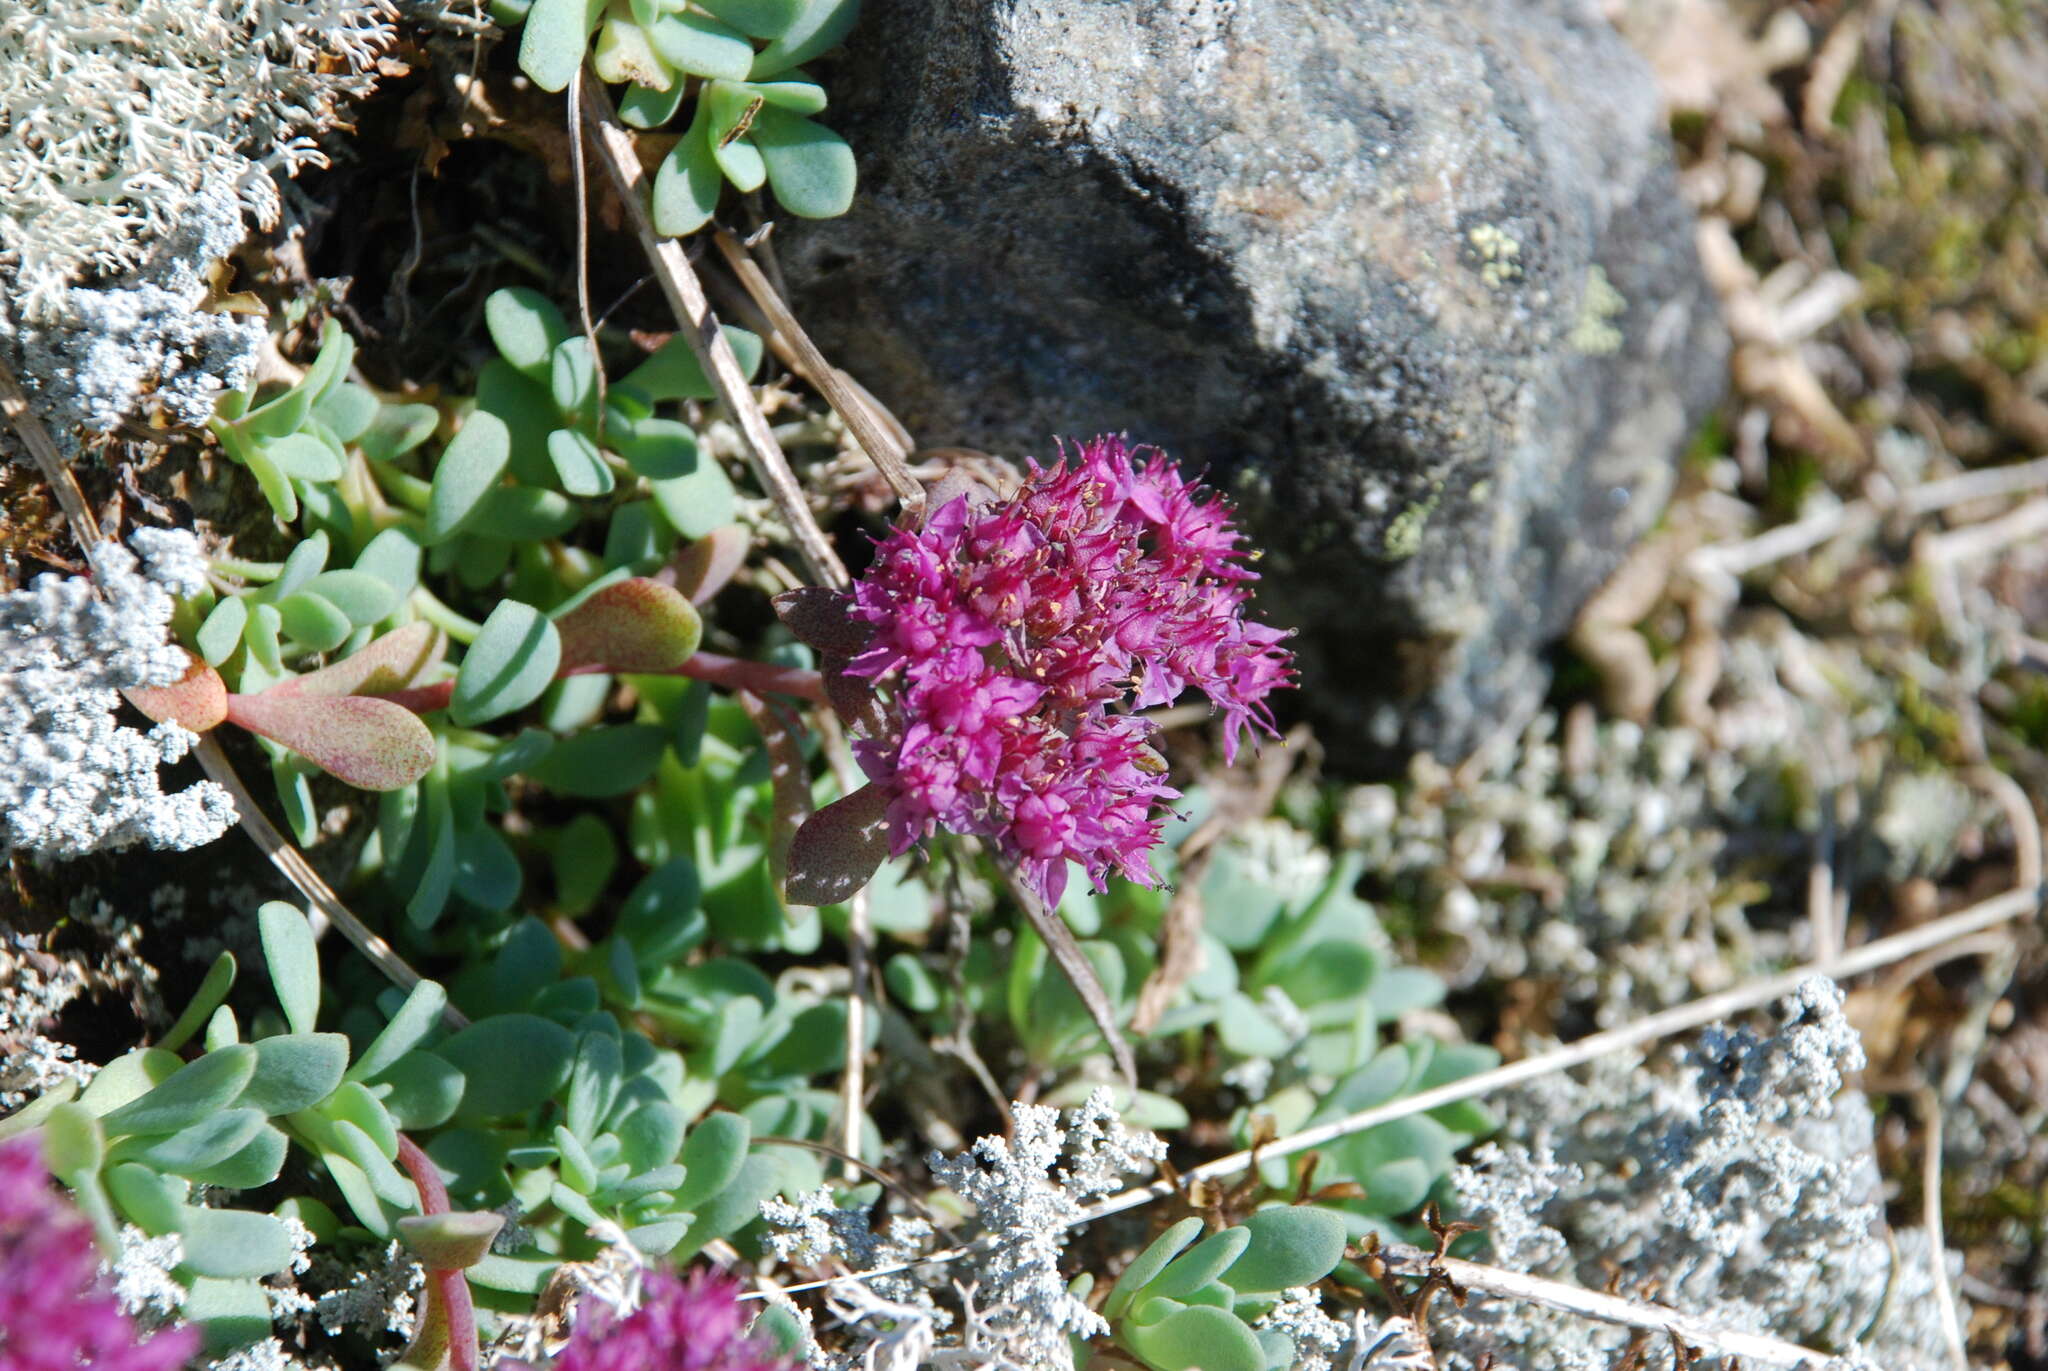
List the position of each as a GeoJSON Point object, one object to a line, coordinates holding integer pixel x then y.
{"type": "Point", "coordinates": [73, 780]}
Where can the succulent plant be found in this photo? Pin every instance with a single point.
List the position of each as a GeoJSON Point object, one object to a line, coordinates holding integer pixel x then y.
{"type": "Point", "coordinates": [750, 122]}
{"type": "Point", "coordinates": [1185, 1303]}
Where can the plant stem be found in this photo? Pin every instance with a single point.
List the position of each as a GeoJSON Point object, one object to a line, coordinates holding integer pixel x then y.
{"type": "Point", "coordinates": [431, 609]}
{"type": "Point", "coordinates": [733, 673]}
{"type": "Point", "coordinates": [451, 1288]}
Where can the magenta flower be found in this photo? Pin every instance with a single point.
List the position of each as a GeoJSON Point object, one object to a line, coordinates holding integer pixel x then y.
{"type": "Point", "coordinates": [55, 1314]}
{"type": "Point", "coordinates": [693, 1325]}
{"type": "Point", "coordinates": [1009, 638]}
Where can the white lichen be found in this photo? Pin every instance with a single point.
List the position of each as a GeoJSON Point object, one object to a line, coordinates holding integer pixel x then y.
{"type": "Point", "coordinates": [135, 135]}
{"type": "Point", "coordinates": [1027, 1200]}
{"type": "Point", "coordinates": [72, 779]}
{"type": "Point", "coordinates": [1744, 1190]}
{"type": "Point", "coordinates": [141, 1277]}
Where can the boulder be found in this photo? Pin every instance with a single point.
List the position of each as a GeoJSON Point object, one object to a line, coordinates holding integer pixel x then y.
{"type": "Point", "coordinates": [1411, 278]}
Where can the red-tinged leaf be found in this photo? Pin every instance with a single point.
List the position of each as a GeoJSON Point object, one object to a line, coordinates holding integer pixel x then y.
{"type": "Point", "coordinates": [372, 744]}
{"type": "Point", "coordinates": [819, 620]}
{"type": "Point", "coordinates": [198, 700]}
{"type": "Point", "coordinates": [701, 569]}
{"type": "Point", "coordinates": [633, 625]}
{"type": "Point", "coordinates": [398, 659]}
{"type": "Point", "coordinates": [837, 850]}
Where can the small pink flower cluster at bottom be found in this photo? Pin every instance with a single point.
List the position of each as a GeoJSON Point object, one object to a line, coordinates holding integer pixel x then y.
{"type": "Point", "coordinates": [55, 1314]}
{"type": "Point", "coordinates": [681, 1325]}
{"type": "Point", "coordinates": [1010, 633]}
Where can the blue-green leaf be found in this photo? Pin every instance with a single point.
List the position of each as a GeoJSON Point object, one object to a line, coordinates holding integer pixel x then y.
{"type": "Point", "coordinates": [472, 464]}
{"type": "Point", "coordinates": [293, 960]}
{"type": "Point", "coordinates": [508, 666]}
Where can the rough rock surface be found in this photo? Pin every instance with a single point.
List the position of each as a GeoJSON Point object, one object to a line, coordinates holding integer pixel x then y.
{"type": "Point", "coordinates": [1411, 274]}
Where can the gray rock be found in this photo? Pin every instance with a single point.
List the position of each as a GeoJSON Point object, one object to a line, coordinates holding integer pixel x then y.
{"type": "Point", "coordinates": [1410, 276]}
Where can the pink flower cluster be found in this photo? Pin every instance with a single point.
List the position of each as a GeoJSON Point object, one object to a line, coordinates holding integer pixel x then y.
{"type": "Point", "coordinates": [693, 1325]}
{"type": "Point", "coordinates": [1012, 634]}
{"type": "Point", "coordinates": [54, 1313]}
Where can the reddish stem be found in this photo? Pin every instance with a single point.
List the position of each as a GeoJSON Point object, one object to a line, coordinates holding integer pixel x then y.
{"type": "Point", "coordinates": [737, 673]}
{"type": "Point", "coordinates": [734, 673]}
{"type": "Point", "coordinates": [452, 1286]}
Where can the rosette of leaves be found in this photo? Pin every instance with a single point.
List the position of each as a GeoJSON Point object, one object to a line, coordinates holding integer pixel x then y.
{"type": "Point", "coordinates": [546, 1101]}
{"type": "Point", "coordinates": [547, 434]}
{"type": "Point", "coordinates": [154, 1124]}
{"type": "Point", "coordinates": [750, 120]}
{"type": "Point", "coordinates": [1185, 1303]}
{"type": "Point", "coordinates": [296, 442]}
{"type": "Point", "coordinates": [593, 1131]}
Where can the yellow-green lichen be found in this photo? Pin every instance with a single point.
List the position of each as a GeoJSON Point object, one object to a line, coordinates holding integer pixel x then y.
{"type": "Point", "coordinates": [1595, 334]}
{"type": "Point", "coordinates": [1499, 255]}
{"type": "Point", "coordinates": [1404, 534]}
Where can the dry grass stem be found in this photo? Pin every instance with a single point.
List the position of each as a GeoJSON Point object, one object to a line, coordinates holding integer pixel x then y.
{"type": "Point", "coordinates": [878, 439]}
{"type": "Point", "coordinates": [698, 324]}
{"type": "Point", "coordinates": [1930, 1187]}
{"type": "Point", "coordinates": [1592, 1304]}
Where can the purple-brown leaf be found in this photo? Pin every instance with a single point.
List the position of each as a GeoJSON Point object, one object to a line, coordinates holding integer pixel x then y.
{"type": "Point", "coordinates": [372, 744]}
{"type": "Point", "coordinates": [818, 618]}
{"type": "Point", "coordinates": [632, 625]}
{"type": "Point", "coordinates": [399, 659]}
{"type": "Point", "coordinates": [198, 700]}
{"type": "Point", "coordinates": [837, 850]}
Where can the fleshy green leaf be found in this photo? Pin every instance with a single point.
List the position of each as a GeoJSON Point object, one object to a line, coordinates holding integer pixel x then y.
{"type": "Point", "coordinates": [188, 1095]}
{"type": "Point", "coordinates": [293, 961]}
{"type": "Point", "coordinates": [207, 1143]}
{"type": "Point", "coordinates": [671, 371]}
{"type": "Point", "coordinates": [579, 466]}
{"type": "Point", "coordinates": [450, 1242]}
{"type": "Point", "coordinates": [397, 430]}
{"type": "Point", "coordinates": [220, 978]}
{"type": "Point", "coordinates": [221, 634]}
{"type": "Point", "coordinates": [295, 1071]}
{"type": "Point", "coordinates": [230, 1243]}
{"type": "Point", "coordinates": [362, 597]}
{"type": "Point", "coordinates": [714, 1155]}
{"type": "Point", "coordinates": [408, 1028]}
{"type": "Point", "coordinates": [472, 464]}
{"type": "Point", "coordinates": [257, 1163]}
{"type": "Point", "coordinates": [304, 456]}
{"type": "Point", "coordinates": [508, 666]}
{"type": "Point", "coordinates": [552, 43]}
{"type": "Point", "coordinates": [314, 621]}
{"type": "Point", "coordinates": [687, 184]}
{"type": "Point", "coordinates": [73, 1144]}
{"type": "Point", "coordinates": [1150, 1263]}
{"type": "Point", "coordinates": [602, 761]}
{"type": "Point", "coordinates": [810, 168]}
{"type": "Point", "coordinates": [424, 1090]}
{"type": "Point", "coordinates": [702, 46]}
{"type": "Point", "coordinates": [572, 376]}
{"type": "Point", "coordinates": [821, 26]}
{"type": "Point", "coordinates": [348, 411]}
{"type": "Point", "coordinates": [511, 1062]}
{"type": "Point", "coordinates": [526, 327]}
{"type": "Point", "coordinates": [760, 18]}
{"type": "Point", "coordinates": [1196, 1336]}
{"type": "Point", "coordinates": [1291, 1244]}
